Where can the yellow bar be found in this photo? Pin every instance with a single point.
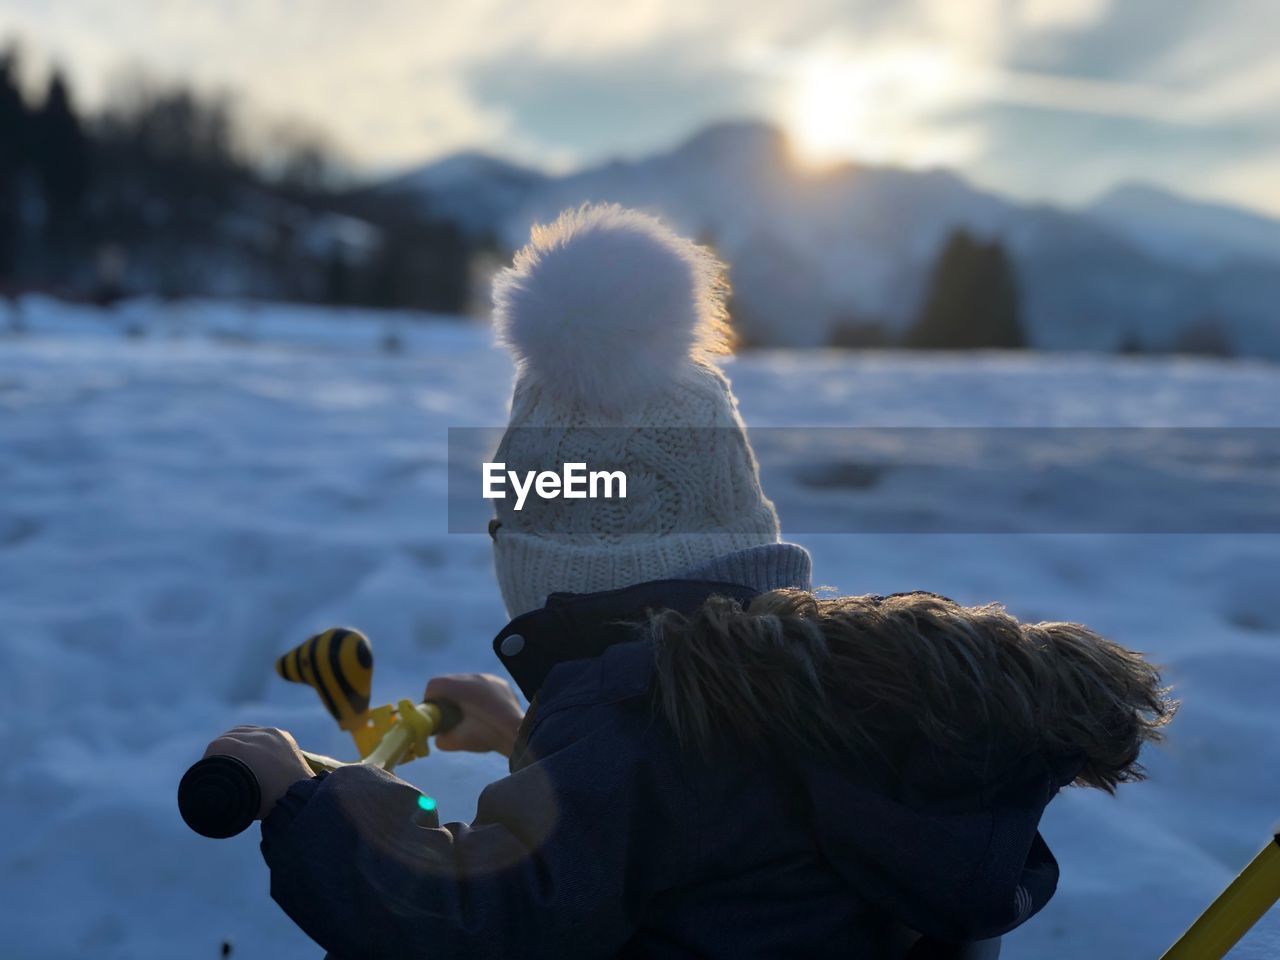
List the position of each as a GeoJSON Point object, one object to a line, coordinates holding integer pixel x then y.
{"type": "Point", "coordinates": [319, 763]}
{"type": "Point", "coordinates": [1239, 907]}
{"type": "Point", "coordinates": [391, 749]}
{"type": "Point", "coordinates": [403, 736]}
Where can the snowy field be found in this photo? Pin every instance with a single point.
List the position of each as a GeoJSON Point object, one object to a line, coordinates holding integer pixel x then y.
{"type": "Point", "coordinates": [186, 492]}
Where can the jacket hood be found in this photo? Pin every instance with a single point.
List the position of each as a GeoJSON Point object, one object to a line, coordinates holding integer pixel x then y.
{"type": "Point", "coordinates": [912, 832]}
{"type": "Point", "coordinates": [920, 792]}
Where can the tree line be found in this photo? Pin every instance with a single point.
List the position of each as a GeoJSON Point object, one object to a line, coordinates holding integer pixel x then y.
{"type": "Point", "coordinates": [163, 190]}
{"type": "Point", "coordinates": [971, 302]}
{"type": "Point", "coordinates": [167, 191]}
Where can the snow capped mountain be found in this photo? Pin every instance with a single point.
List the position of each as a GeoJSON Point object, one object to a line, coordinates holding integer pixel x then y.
{"type": "Point", "coordinates": [477, 190]}
{"type": "Point", "coordinates": [805, 249]}
{"type": "Point", "coordinates": [810, 250]}
{"type": "Point", "coordinates": [1192, 232]}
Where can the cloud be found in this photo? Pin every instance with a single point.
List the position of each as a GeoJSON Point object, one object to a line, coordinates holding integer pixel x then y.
{"type": "Point", "coordinates": [637, 103]}
{"type": "Point", "coordinates": [562, 81]}
{"type": "Point", "coordinates": [1187, 95]}
{"type": "Point", "coordinates": [1059, 14]}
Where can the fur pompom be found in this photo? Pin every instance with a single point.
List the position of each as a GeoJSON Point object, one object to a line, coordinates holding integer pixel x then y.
{"type": "Point", "coordinates": [607, 306]}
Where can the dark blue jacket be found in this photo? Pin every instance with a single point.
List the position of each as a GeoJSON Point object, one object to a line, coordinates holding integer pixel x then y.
{"type": "Point", "coordinates": [608, 840]}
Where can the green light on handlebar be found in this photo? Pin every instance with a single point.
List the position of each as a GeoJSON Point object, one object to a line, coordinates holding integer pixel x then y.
{"type": "Point", "coordinates": [426, 803]}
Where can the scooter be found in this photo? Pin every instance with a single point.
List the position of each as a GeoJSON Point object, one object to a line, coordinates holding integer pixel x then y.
{"type": "Point", "coordinates": [219, 796]}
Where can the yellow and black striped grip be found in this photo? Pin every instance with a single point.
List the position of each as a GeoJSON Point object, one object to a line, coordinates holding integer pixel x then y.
{"type": "Point", "coordinates": [338, 665]}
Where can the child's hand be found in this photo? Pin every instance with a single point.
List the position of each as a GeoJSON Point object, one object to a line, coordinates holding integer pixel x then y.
{"type": "Point", "coordinates": [271, 754]}
{"type": "Point", "coordinates": [491, 714]}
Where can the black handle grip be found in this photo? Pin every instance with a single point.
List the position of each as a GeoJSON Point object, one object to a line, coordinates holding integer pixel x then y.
{"type": "Point", "coordinates": [450, 714]}
{"type": "Point", "coordinates": [219, 797]}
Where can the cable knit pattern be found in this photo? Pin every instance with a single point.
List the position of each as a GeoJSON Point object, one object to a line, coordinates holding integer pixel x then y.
{"type": "Point", "coordinates": [693, 485]}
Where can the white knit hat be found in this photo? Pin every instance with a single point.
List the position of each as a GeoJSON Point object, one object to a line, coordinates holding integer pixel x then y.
{"type": "Point", "coordinates": [613, 321]}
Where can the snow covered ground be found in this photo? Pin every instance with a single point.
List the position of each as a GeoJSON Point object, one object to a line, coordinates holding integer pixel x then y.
{"type": "Point", "coordinates": [185, 492]}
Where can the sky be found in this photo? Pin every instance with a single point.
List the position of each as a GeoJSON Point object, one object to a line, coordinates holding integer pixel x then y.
{"type": "Point", "coordinates": [1047, 99]}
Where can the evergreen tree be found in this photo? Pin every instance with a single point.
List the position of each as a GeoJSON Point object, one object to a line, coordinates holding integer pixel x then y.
{"type": "Point", "coordinates": [1130, 344]}
{"type": "Point", "coordinates": [1206, 337]}
{"type": "Point", "coordinates": [337, 277]}
{"type": "Point", "coordinates": [972, 301]}
{"type": "Point", "coordinates": [15, 121]}
{"type": "Point", "coordinates": [62, 159]}
{"type": "Point", "coordinates": [14, 117]}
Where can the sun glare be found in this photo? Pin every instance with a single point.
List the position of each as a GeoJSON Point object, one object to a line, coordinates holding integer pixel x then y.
{"type": "Point", "coordinates": [825, 120]}
{"type": "Point", "coordinates": [878, 107]}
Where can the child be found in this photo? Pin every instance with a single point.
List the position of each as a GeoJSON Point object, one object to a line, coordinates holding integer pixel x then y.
{"type": "Point", "coordinates": [714, 762]}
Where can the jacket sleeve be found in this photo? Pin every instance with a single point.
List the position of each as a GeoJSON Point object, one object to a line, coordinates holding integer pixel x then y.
{"type": "Point", "coordinates": [559, 861]}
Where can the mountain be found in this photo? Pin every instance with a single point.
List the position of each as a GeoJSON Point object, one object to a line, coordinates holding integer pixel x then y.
{"type": "Point", "coordinates": [476, 190]}
{"type": "Point", "coordinates": [1193, 232]}
{"type": "Point", "coordinates": [810, 251]}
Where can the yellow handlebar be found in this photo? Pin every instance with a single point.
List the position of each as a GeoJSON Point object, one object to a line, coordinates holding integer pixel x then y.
{"type": "Point", "coordinates": [406, 739]}
{"type": "Point", "coordinates": [1239, 907]}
